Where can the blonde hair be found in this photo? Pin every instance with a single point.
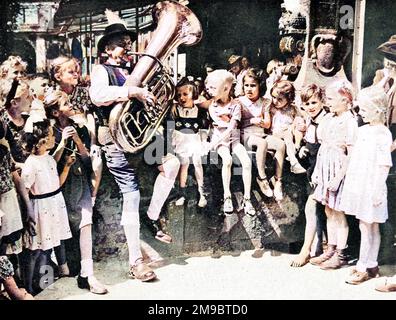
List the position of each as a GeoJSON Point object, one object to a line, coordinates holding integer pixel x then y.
{"type": "Point", "coordinates": [374, 97]}
{"type": "Point", "coordinates": [59, 65]}
{"type": "Point", "coordinates": [11, 64]}
{"type": "Point", "coordinates": [221, 75]}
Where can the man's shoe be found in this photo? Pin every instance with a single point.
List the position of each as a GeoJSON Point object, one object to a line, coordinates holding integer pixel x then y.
{"type": "Point", "coordinates": [141, 271]}
{"type": "Point", "coordinates": [228, 207]}
{"type": "Point", "coordinates": [265, 187]}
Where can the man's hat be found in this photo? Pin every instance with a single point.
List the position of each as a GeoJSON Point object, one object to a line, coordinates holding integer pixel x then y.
{"type": "Point", "coordinates": [234, 58]}
{"type": "Point", "coordinates": [388, 48]}
{"type": "Point", "coordinates": [116, 27]}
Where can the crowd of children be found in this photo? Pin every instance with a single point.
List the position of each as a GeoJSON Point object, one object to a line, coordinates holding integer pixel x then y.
{"type": "Point", "coordinates": [53, 131]}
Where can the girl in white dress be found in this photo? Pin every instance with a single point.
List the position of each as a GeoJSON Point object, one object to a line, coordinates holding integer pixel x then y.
{"type": "Point", "coordinates": [225, 114]}
{"type": "Point", "coordinates": [41, 180]}
{"type": "Point", "coordinates": [365, 194]}
{"type": "Point", "coordinates": [336, 134]}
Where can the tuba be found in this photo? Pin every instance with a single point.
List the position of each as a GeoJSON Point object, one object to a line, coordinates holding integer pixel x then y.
{"type": "Point", "coordinates": [133, 124]}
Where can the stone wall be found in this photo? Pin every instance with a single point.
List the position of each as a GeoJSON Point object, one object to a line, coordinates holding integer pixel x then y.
{"type": "Point", "coordinates": [194, 229]}
{"type": "Point", "coordinates": [277, 225]}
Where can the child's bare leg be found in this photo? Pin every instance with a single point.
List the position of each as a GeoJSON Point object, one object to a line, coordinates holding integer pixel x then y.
{"type": "Point", "coordinates": [183, 172]}
{"type": "Point", "coordinates": [310, 231]}
{"type": "Point", "coordinates": [198, 172]}
{"type": "Point", "coordinates": [261, 153]}
{"type": "Point", "coordinates": [331, 239]}
{"type": "Point", "coordinates": [226, 158]}
{"type": "Point", "coordinates": [287, 137]}
{"type": "Point", "coordinates": [95, 180]}
{"type": "Point", "coordinates": [277, 144]}
{"type": "Point", "coordinates": [243, 157]}
{"type": "Point", "coordinates": [298, 137]}
{"type": "Point", "coordinates": [342, 229]}
{"type": "Point", "coordinates": [200, 181]}
{"type": "Point", "coordinates": [331, 227]}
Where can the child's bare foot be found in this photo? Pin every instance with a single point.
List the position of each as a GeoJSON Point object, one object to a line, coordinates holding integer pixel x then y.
{"type": "Point", "coordinates": [301, 260]}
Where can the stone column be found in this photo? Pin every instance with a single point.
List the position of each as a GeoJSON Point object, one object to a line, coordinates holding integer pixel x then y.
{"type": "Point", "coordinates": [40, 54]}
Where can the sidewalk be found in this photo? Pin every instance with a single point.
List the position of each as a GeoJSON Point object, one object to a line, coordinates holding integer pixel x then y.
{"type": "Point", "coordinates": [240, 276]}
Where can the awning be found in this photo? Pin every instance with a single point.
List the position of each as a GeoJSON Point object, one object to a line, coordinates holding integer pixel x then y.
{"type": "Point", "coordinates": [77, 15]}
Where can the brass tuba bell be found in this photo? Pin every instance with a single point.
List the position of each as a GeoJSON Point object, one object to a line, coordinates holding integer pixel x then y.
{"type": "Point", "coordinates": [132, 125]}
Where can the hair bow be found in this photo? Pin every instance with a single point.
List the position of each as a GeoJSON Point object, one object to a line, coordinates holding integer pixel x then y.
{"type": "Point", "coordinates": [33, 118]}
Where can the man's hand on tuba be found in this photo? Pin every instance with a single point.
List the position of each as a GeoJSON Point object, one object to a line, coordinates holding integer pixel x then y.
{"type": "Point", "coordinates": [142, 94]}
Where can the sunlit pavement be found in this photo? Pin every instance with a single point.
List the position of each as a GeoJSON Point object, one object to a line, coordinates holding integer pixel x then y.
{"type": "Point", "coordinates": [229, 277]}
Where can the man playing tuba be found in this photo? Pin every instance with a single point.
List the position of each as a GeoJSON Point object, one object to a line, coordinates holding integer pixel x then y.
{"type": "Point", "coordinates": [107, 89]}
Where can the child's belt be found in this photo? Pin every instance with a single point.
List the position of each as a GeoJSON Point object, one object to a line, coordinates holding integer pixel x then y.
{"type": "Point", "coordinates": [44, 195]}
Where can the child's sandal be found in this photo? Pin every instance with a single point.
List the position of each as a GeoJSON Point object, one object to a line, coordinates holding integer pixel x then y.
{"type": "Point", "coordinates": [142, 272]}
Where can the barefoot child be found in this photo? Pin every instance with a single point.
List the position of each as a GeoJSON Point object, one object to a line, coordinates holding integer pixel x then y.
{"type": "Point", "coordinates": [313, 99]}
